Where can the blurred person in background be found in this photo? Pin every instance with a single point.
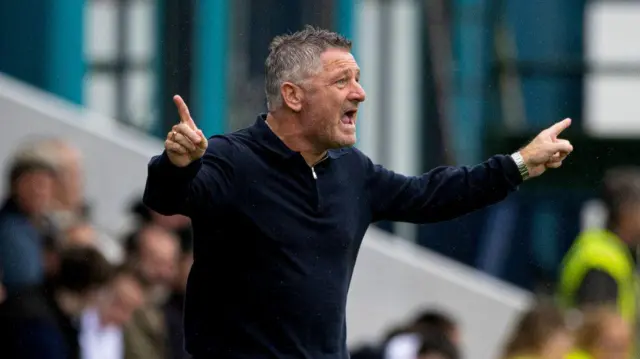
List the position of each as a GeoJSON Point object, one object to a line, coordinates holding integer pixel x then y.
{"type": "Point", "coordinates": [604, 334]}
{"type": "Point", "coordinates": [69, 185]}
{"type": "Point", "coordinates": [101, 326]}
{"type": "Point", "coordinates": [154, 257]}
{"type": "Point", "coordinates": [69, 214]}
{"type": "Point", "coordinates": [143, 216]}
{"type": "Point", "coordinates": [23, 221]}
{"type": "Point", "coordinates": [540, 333]}
{"type": "Point", "coordinates": [174, 307]}
{"type": "Point", "coordinates": [405, 344]}
{"type": "Point", "coordinates": [437, 346]}
{"type": "Point", "coordinates": [599, 268]}
{"type": "Point", "coordinates": [289, 199]}
{"type": "Point", "coordinates": [81, 234]}
{"type": "Point", "coordinates": [40, 322]}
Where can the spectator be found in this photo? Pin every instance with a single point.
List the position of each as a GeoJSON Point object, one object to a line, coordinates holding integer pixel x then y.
{"type": "Point", "coordinates": [69, 213]}
{"type": "Point", "coordinates": [435, 321]}
{"type": "Point", "coordinates": [604, 334]}
{"type": "Point", "coordinates": [405, 344]}
{"type": "Point", "coordinates": [39, 322]}
{"type": "Point", "coordinates": [437, 346]}
{"type": "Point", "coordinates": [101, 326]}
{"type": "Point", "coordinates": [22, 222]}
{"type": "Point", "coordinates": [540, 333]}
{"type": "Point", "coordinates": [154, 257]}
{"type": "Point", "coordinates": [599, 269]}
{"type": "Point", "coordinates": [178, 224]}
{"type": "Point", "coordinates": [67, 161]}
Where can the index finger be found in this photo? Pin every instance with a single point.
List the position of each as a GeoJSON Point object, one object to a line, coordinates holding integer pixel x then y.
{"type": "Point", "coordinates": [558, 127]}
{"type": "Point", "coordinates": [183, 111]}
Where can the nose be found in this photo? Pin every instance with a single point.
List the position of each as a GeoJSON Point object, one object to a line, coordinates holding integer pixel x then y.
{"type": "Point", "coordinates": [357, 94]}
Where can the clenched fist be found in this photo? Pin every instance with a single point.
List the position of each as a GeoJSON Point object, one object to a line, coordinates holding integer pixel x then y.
{"type": "Point", "coordinates": [185, 143]}
{"type": "Point", "coordinates": [547, 150]}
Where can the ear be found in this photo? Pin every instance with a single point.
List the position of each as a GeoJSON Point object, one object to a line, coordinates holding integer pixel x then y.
{"type": "Point", "coordinates": [292, 96]}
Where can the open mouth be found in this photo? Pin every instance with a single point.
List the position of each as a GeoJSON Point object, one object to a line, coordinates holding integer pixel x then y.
{"type": "Point", "coordinates": [349, 117]}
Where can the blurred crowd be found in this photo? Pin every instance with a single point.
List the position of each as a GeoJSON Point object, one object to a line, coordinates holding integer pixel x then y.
{"type": "Point", "coordinates": [70, 291]}
{"type": "Point", "coordinates": [545, 331]}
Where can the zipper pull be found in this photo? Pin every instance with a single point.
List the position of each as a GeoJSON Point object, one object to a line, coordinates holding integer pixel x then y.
{"type": "Point", "coordinates": [313, 172]}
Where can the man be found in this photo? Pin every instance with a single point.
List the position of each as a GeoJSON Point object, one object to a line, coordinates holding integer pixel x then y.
{"type": "Point", "coordinates": [67, 161]}
{"type": "Point", "coordinates": [599, 268]}
{"type": "Point", "coordinates": [154, 257]}
{"type": "Point", "coordinates": [279, 209]}
{"type": "Point", "coordinates": [101, 326]}
{"type": "Point", "coordinates": [22, 222]}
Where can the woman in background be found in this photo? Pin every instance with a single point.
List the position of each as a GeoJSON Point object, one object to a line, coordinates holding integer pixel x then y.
{"type": "Point", "coordinates": [604, 334]}
{"type": "Point", "coordinates": [541, 333]}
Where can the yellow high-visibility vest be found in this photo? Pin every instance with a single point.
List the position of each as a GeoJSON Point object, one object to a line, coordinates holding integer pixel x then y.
{"type": "Point", "coordinates": [578, 354]}
{"type": "Point", "coordinates": [600, 250]}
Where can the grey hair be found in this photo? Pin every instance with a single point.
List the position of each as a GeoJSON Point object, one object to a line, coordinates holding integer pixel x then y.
{"type": "Point", "coordinates": [294, 57]}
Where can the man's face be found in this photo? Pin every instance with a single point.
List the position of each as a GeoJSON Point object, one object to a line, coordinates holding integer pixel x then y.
{"type": "Point", "coordinates": [331, 99]}
{"type": "Point", "coordinates": [34, 191]}
{"type": "Point", "coordinates": [158, 257]}
{"type": "Point", "coordinates": [120, 301]}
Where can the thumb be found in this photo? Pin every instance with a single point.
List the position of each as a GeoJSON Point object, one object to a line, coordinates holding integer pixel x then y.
{"type": "Point", "coordinates": [562, 146]}
{"type": "Point", "coordinates": [203, 141]}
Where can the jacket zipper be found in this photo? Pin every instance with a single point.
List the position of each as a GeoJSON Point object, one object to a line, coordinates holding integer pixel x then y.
{"type": "Point", "coordinates": [313, 170]}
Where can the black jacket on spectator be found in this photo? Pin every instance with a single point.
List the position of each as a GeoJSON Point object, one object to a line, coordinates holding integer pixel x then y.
{"type": "Point", "coordinates": [32, 326]}
{"type": "Point", "coordinates": [275, 241]}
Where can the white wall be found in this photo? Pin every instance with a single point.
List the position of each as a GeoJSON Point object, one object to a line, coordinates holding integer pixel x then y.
{"type": "Point", "coordinates": [393, 278]}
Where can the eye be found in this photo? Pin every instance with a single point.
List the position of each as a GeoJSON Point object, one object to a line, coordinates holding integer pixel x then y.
{"type": "Point", "coordinates": [342, 81]}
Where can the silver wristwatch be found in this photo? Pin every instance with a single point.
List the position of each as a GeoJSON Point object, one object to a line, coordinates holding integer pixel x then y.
{"type": "Point", "coordinates": [522, 167]}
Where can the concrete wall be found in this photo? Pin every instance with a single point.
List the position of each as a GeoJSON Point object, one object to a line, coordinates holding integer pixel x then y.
{"type": "Point", "coordinates": [393, 278]}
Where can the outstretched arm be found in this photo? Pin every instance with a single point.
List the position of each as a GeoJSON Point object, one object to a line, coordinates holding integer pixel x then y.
{"type": "Point", "coordinates": [448, 192]}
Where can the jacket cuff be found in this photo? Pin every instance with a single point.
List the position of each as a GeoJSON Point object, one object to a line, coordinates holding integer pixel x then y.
{"type": "Point", "coordinates": [511, 171]}
{"type": "Point", "coordinates": [174, 171]}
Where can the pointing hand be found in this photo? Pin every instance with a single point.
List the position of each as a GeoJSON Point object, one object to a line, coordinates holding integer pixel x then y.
{"type": "Point", "coordinates": [185, 143]}
{"type": "Point", "coordinates": [547, 150]}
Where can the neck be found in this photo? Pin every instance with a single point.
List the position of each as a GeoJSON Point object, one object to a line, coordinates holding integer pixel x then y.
{"type": "Point", "coordinates": [291, 134]}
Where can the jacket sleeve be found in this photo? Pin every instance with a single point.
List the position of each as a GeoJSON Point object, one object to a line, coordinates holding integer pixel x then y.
{"type": "Point", "coordinates": [441, 194]}
{"type": "Point", "coordinates": [204, 184]}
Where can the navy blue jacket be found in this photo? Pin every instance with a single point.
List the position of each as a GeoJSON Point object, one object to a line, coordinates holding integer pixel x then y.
{"type": "Point", "coordinates": [275, 241]}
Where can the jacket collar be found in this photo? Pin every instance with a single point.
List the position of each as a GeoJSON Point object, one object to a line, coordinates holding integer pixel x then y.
{"type": "Point", "coordinates": [269, 140]}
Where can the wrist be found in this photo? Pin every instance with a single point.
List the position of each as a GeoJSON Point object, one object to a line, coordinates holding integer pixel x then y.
{"type": "Point", "coordinates": [522, 166]}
